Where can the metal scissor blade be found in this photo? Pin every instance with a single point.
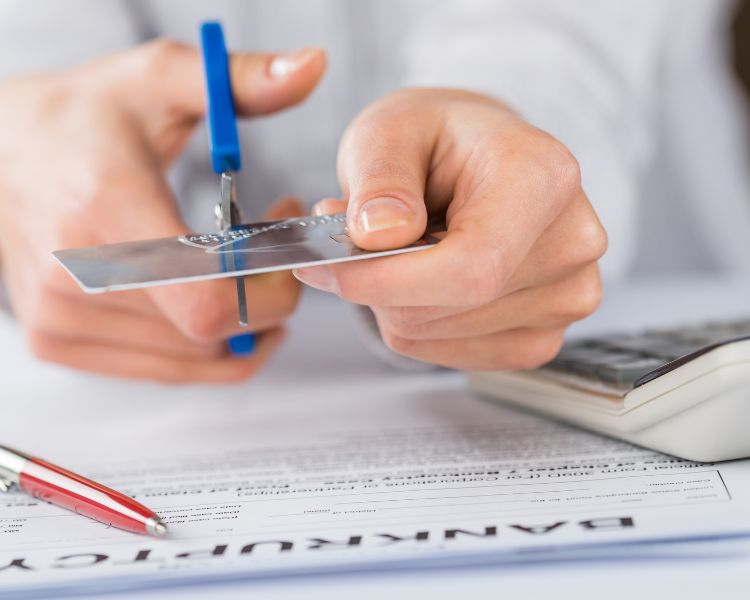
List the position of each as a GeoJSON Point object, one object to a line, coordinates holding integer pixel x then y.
{"type": "Point", "coordinates": [228, 215]}
{"type": "Point", "coordinates": [226, 198]}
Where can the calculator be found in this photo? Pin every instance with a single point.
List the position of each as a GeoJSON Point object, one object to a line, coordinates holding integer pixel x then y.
{"type": "Point", "coordinates": [683, 390]}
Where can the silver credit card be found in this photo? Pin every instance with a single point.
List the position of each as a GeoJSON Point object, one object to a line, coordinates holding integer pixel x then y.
{"type": "Point", "coordinates": [244, 250]}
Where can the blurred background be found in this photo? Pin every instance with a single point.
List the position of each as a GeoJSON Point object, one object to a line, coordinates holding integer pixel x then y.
{"type": "Point", "coordinates": [648, 95]}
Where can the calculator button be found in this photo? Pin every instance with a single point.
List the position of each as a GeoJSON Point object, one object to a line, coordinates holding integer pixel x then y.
{"type": "Point", "coordinates": [584, 359]}
{"type": "Point", "coordinates": [626, 373]}
{"type": "Point", "coordinates": [656, 346]}
{"type": "Point", "coordinates": [634, 359]}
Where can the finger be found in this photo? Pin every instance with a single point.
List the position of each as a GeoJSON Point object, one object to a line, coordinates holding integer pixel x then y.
{"type": "Point", "coordinates": [66, 317]}
{"type": "Point", "coordinates": [206, 311]}
{"type": "Point", "coordinates": [135, 301]}
{"type": "Point", "coordinates": [285, 208]}
{"type": "Point", "coordinates": [512, 187]}
{"type": "Point", "coordinates": [487, 239]}
{"type": "Point", "coordinates": [144, 209]}
{"type": "Point", "coordinates": [383, 163]}
{"type": "Point", "coordinates": [267, 83]}
{"type": "Point", "coordinates": [172, 79]}
{"type": "Point", "coordinates": [507, 350]}
{"type": "Point", "coordinates": [575, 239]}
{"type": "Point", "coordinates": [137, 364]}
{"type": "Point", "coordinates": [548, 306]}
{"type": "Point", "coordinates": [329, 206]}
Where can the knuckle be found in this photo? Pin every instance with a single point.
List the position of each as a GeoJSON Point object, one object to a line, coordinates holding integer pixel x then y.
{"type": "Point", "coordinates": [535, 349]}
{"type": "Point", "coordinates": [484, 277]}
{"type": "Point", "coordinates": [409, 321]}
{"type": "Point", "coordinates": [155, 57]}
{"type": "Point", "coordinates": [579, 297]}
{"type": "Point", "coordinates": [542, 158]}
{"type": "Point", "coordinates": [408, 330]}
{"type": "Point", "coordinates": [395, 342]}
{"type": "Point", "coordinates": [542, 350]}
{"type": "Point", "coordinates": [204, 319]}
{"type": "Point", "coordinates": [42, 345]}
{"type": "Point", "coordinates": [588, 296]}
{"type": "Point", "coordinates": [416, 314]}
{"type": "Point", "coordinates": [242, 373]}
{"type": "Point", "coordinates": [40, 305]}
{"type": "Point", "coordinates": [94, 194]}
{"type": "Point", "coordinates": [591, 239]}
{"type": "Point", "coordinates": [396, 315]}
{"type": "Point", "coordinates": [206, 351]}
{"type": "Point", "coordinates": [204, 326]}
{"type": "Point", "coordinates": [53, 278]}
{"type": "Point", "coordinates": [552, 162]}
{"type": "Point", "coordinates": [564, 168]}
{"type": "Point", "coordinates": [349, 288]}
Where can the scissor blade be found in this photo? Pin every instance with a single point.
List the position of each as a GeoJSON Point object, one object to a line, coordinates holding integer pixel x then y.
{"type": "Point", "coordinates": [226, 197]}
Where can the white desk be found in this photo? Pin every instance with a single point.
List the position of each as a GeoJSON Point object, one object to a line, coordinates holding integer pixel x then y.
{"type": "Point", "coordinates": [323, 356]}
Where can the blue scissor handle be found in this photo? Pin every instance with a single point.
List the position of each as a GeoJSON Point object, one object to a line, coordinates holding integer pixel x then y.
{"type": "Point", "coordinates": [243, 344]}
{"type": "Point", "coordinates": [223, 140]}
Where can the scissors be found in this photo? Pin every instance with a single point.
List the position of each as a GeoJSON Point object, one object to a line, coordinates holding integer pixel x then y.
{"type": "Point", "coordinates": [226, 158]}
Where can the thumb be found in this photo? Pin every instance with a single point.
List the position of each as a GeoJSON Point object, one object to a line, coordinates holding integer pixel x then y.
{"type": "Point", "coordinates": [169, 78]}
{"type": "Point", "coordinates": [265, 83]}
{"type": "Point", "coordinates": [383, 166]}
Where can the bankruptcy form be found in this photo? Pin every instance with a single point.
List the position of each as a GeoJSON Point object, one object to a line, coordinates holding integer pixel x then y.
{"type": "Point", "coordinates": [334, 473]}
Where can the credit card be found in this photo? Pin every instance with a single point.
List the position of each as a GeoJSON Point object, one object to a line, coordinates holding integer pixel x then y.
{"type": "Point", "coordinates": [245, 250]}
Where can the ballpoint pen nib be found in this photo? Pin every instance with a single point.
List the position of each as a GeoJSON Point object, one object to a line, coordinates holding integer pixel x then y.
{"type": "Point", "coordinates": [156, 527]}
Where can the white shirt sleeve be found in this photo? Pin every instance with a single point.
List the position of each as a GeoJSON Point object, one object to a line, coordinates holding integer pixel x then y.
{"type": "Point", "coordinates": [586, 71]}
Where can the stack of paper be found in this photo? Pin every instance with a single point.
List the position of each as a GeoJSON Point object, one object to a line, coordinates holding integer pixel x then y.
{"type": "Point", "coordinates": [335, 471]}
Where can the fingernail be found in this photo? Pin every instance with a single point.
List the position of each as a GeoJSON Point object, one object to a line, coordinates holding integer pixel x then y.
{"type": "Point", "coordinates": [283, 65]}
{"type": "Point", "coordinates": [321, 278]}
{"type": "Point", "coordinates": [383, 213]}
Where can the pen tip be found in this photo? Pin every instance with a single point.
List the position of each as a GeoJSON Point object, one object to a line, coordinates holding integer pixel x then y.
{"type": "Point", "coordinates": [156, 526]}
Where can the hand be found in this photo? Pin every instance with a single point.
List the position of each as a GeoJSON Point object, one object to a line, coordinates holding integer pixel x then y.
{"type": "Point", "coordinates": [518, 262]}
{"type": "Point", "coordinates": [82, 162]}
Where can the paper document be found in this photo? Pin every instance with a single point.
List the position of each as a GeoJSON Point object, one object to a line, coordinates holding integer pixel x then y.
{"type": "Point", "coordinates": [417, 472]}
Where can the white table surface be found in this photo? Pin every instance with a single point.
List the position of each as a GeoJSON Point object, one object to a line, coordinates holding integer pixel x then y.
{"type": "Point", "coordinates": [323, 348]}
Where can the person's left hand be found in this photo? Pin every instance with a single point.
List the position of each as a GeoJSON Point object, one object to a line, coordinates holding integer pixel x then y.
{"type": "Point", "coordinates": [519, 261]}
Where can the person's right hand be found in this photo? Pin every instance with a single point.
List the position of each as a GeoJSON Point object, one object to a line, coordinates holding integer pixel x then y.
{"type": "Point", "coordinates": [83, 155]}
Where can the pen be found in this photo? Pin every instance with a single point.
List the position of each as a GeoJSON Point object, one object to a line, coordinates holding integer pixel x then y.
{"type": "Point", "coordinates": [226, 157]}
{"type": "Point", "coordinates": [62, 488]}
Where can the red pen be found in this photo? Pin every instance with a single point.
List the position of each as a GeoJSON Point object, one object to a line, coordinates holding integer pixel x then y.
{"type": "Point", "coordinates": [62, 488]}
